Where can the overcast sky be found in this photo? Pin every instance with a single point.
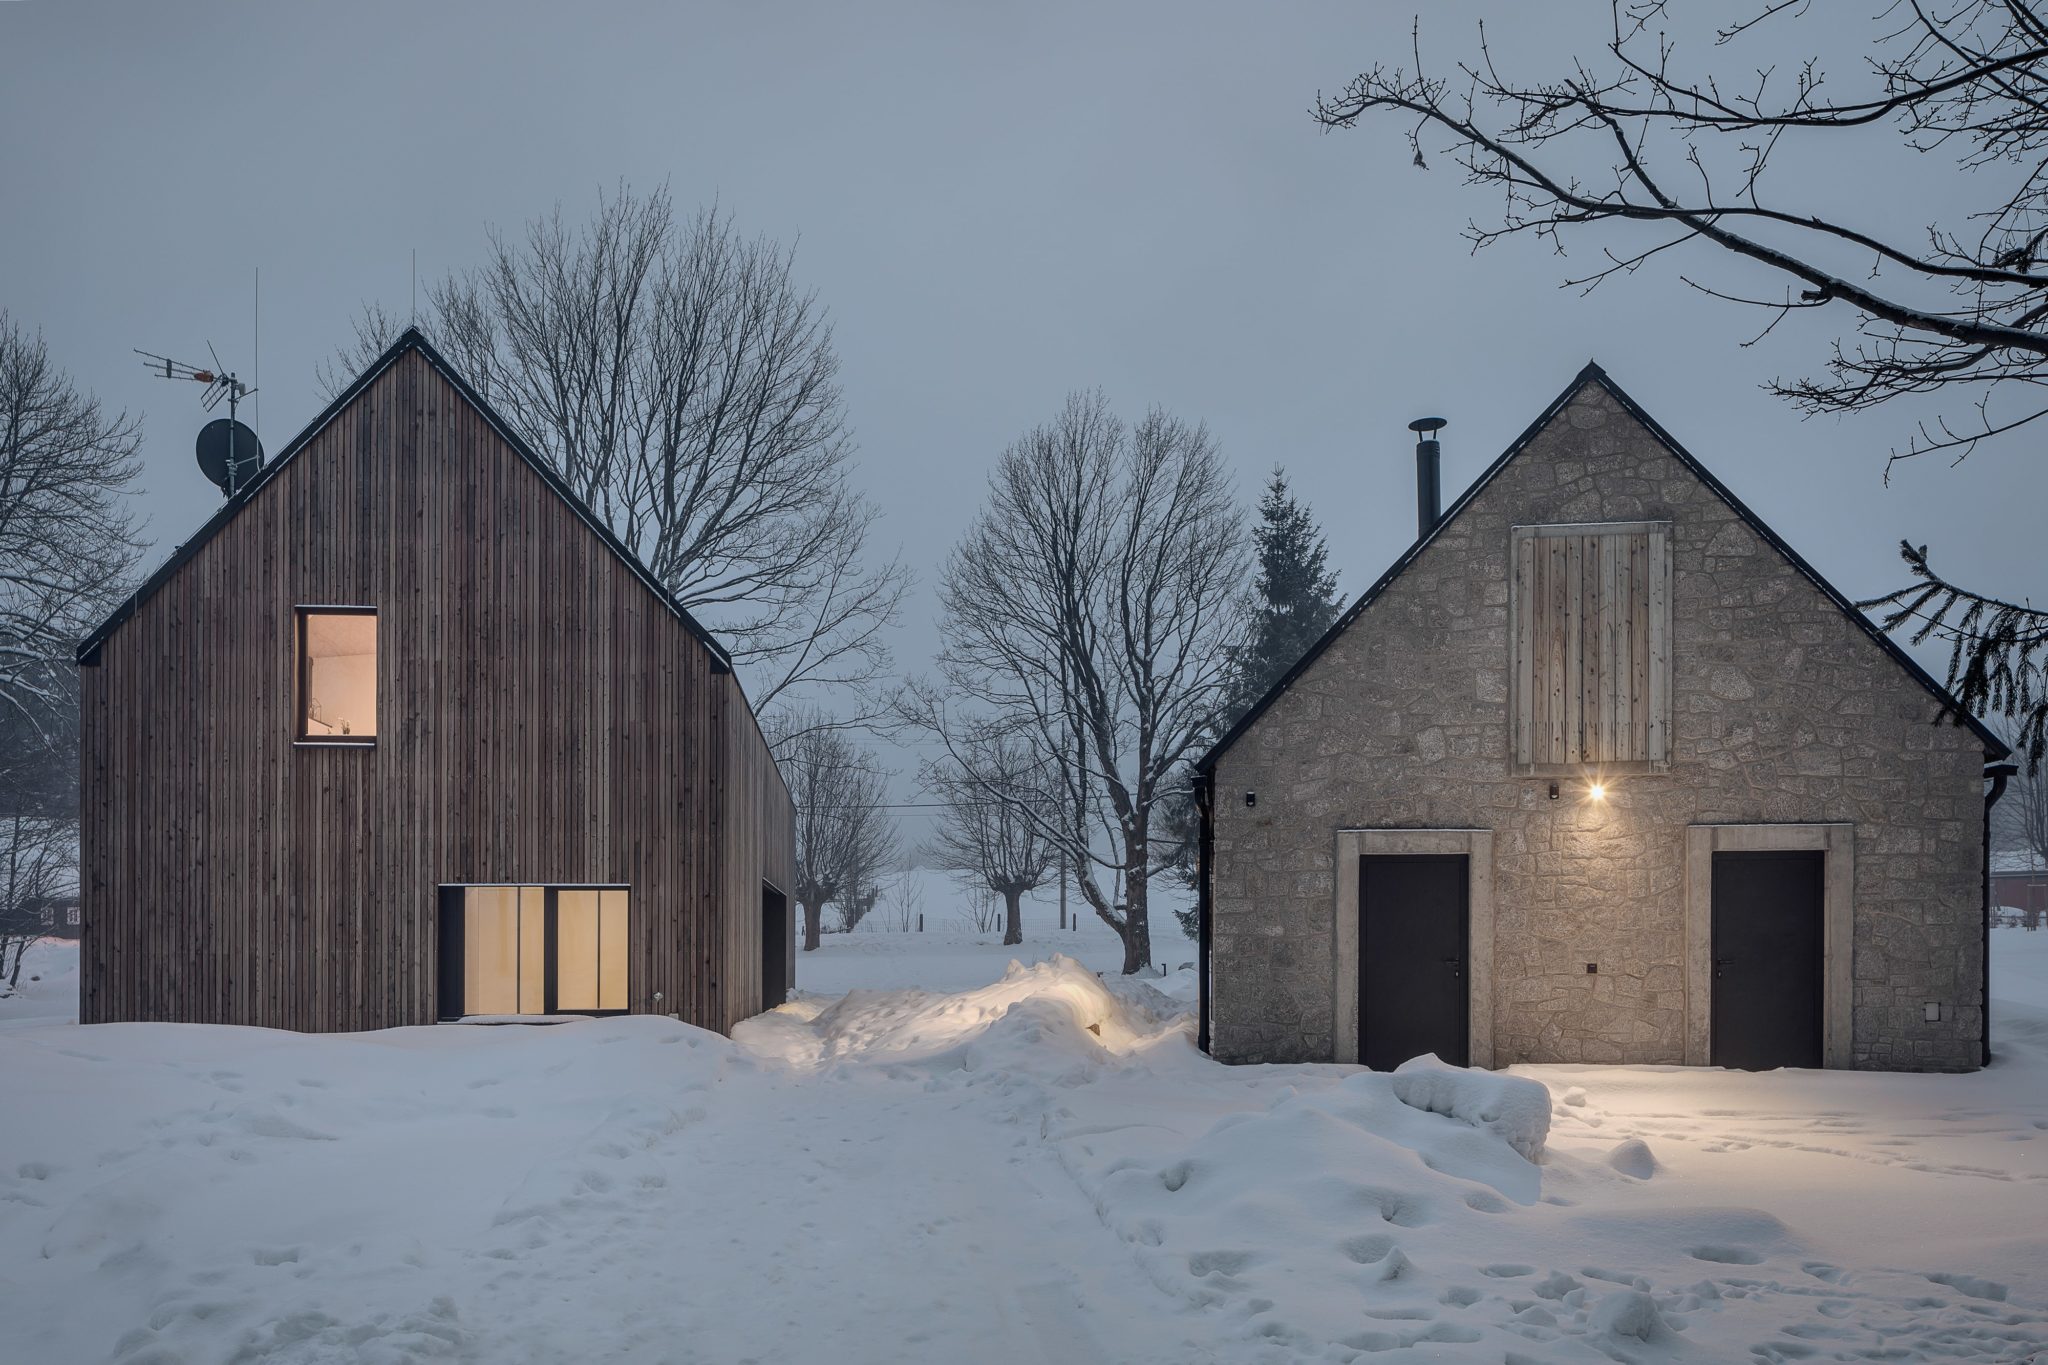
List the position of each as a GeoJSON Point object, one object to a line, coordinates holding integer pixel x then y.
{"type": "Point", "coordinates": [998, 203]}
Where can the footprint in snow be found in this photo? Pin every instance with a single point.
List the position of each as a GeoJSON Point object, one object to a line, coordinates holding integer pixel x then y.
{"type": "Point", "coordinates": [1405, 1210]}
{"type": "Point", "coordinates": [1367, 1249]}
{"type": "Point", "coordinates": [1971, 1285]}
{"type": "Point", "coordinates": [1205, 1263]}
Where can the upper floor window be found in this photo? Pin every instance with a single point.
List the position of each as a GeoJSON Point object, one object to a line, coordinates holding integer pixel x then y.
{"type": "Point", "coordinates": [1590, 617]}
{"type": "Point", "coordinates": [338, 674]}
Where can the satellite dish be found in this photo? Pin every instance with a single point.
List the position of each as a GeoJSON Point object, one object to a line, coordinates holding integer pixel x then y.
{"type": "Point", "coordinates": [229, 454]}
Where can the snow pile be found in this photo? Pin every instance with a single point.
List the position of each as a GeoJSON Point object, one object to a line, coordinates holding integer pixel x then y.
{"type": "Point", "coordinates": [1513, 1108]}
{"type": "Point", "coordinates": [1059, 1000]}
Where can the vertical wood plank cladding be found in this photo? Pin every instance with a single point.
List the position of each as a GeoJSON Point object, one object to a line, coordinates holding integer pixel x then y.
{"type": "Point", "coordinates": [541, 717]}
{"type": "Point", "coordinates": [1590, 621]}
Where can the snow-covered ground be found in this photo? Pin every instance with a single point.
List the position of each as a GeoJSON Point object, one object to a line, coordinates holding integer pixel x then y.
{"type": "Point", "coordinates": [1036, 1167]}
{"type": "Point", "coordinates": [48, 989]}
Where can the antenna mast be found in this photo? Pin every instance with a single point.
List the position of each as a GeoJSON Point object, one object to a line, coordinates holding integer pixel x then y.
{"type": "Point", "coordinates": [220, 383]}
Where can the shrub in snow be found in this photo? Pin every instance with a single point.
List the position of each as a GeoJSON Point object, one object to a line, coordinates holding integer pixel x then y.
{"type": "Point", "coordinates": [1513, 1108]}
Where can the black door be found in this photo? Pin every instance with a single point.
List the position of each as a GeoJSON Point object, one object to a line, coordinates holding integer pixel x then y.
{"type": "Point", "coordinates": [452, 953]}
{"type": "Point", "coordinates": [1412, 996]}
{"type": "Point", "coordinates": [1768, 952]}
{"type": "Point", "coordinates": [774, 947]}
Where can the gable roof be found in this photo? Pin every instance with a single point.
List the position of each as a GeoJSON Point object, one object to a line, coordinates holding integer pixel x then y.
{"type": "Point", "coordinates": [1994, 747]}
{"type": "Point", "coordinates": [410, 340]}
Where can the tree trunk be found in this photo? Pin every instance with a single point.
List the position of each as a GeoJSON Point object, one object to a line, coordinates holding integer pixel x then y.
{"type": "Point", "coordinates": [813, 912]}
{"type": "Point", "coordinates": [1013, 924]}
{"type": "Point", "coordinates": [1137, 923]}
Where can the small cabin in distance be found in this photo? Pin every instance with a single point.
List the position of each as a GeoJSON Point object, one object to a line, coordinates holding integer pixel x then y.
{"type": "Point", "coordinates": [405, 734]}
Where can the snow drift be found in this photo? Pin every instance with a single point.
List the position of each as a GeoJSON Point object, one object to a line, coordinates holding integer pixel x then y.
{"type": "Point", "coordinates": [1513, 1108]}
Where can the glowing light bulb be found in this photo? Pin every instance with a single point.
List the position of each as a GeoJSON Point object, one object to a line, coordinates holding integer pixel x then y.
{"type": "Point", "coordinates": [1598, 791]}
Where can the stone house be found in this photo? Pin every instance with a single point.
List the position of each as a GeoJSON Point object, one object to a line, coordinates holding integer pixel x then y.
{"type": "Point", "coordinates": [1599, 771]}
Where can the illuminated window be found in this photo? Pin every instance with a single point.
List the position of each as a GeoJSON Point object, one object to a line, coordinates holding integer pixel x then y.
{"type": "Point", "coordinates": [509, 950]}
{"type": "Point", "coordinates": [338, 675]}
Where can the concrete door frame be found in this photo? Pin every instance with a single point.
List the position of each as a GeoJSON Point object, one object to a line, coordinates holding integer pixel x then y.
{"type": "Point", "coordinates": [1838, 927]}
{"type": "Point", "coordinates": [1477, 847]}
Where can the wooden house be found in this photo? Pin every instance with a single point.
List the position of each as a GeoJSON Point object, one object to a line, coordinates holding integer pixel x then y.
{"type": "Point", "coordinates": [1600, 770]}
{"type": "Point", "coordinates": [405, 734]}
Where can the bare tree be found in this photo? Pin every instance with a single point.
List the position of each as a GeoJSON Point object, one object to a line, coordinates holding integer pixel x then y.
{"type": "Point", "coordinates": [67, 545]}
{"type": "Point", "coordinates": [999, 802]}
{"type": "Point", "coordinates": [38, 864]}
{"type": "Point", "coordinates": [904, 901]}
{"type": "Point", "coordinates": [1650, 158]}
{"type": "Point", "coordinates": [982, 912]}
{"type": "Point", "coordinates": [844, 832]}
{"type": "Point", "coordinates": [1095, 599]}
{"type": "Point", "coordinates": [685, 386]}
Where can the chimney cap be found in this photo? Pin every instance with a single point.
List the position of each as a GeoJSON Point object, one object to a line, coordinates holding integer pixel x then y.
{"type": "Point", "coordinates": [1427, 426]}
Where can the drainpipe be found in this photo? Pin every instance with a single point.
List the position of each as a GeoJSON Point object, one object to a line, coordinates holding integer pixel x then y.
{"type": "Point", "coordinates": [1999, 774]}
{"type": "Point", "coordinates": [1205, 789]}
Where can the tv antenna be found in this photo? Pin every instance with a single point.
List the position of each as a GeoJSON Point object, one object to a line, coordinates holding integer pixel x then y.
{"type": "Point", "coordinates": [229, 453]}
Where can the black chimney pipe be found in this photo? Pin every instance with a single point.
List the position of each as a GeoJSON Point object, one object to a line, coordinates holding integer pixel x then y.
{"type": "Point", "coordinates": [1428, 474]}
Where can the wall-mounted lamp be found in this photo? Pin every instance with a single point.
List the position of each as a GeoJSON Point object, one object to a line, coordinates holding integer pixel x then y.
{"type": "Point", "coordinates": [1553, 791]}
{"type": "Point", "coordinates": [1250, 799]}
{"type": "Point", "coordinates": [1598, 791]}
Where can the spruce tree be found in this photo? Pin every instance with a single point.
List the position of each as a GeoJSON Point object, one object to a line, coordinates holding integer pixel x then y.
{"type": "Point", "coordinates": [1296, 596]}
{"type": "Point", "coordinates": [1294, 602]}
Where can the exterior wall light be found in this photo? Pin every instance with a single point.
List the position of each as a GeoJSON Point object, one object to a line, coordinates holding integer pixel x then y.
{"type": "Point", "coordinates": [1553, 791]}
{"type": "Point", "coordinates": [1598, 791]}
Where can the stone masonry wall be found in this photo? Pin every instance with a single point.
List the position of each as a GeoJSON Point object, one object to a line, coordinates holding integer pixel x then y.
{"type": "Point", "coordinates": [1783, 711]}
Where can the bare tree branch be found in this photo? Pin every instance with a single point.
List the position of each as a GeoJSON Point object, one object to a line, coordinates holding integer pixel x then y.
{"type": "Point", "coordinates": [1957, 317]}
{"type": "Point", "coordinates": [685, 386]}
{"type": "Point", "coordinates": [68, 545]}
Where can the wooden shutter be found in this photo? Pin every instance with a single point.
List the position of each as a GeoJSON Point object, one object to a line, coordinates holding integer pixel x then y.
{"type": "Point", "coordinates": [1590, 621]}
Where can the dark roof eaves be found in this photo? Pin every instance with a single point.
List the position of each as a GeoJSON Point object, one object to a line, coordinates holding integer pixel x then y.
{"type": "Point", "coordinates": [411, 339]}
{"type": "Point", "coordinates": [1995, 748]}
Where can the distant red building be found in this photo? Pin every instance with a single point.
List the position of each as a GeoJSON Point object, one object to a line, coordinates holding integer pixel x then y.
{"type": "Point", "coordinates": [2019, 881]}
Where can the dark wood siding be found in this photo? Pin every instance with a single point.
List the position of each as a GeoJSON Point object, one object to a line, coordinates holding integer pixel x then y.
{"type": "Point", "coordinates": [543, 717]}
{"type": "Point", "coordinates": [758, 845]}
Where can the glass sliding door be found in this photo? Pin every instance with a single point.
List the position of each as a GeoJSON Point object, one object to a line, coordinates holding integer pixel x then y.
{"type": "Point", "coordinates": [533, 950]}
{"type": "Point", "coordinates": [576, 950]}
{"type": "Point", "coordinates": [611, 950]}
{"type": "Point", "coordinates": [490, 976]}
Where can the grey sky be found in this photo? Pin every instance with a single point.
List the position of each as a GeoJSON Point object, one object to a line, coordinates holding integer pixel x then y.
{"type": "Point", "coordinates": [997, 203]}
